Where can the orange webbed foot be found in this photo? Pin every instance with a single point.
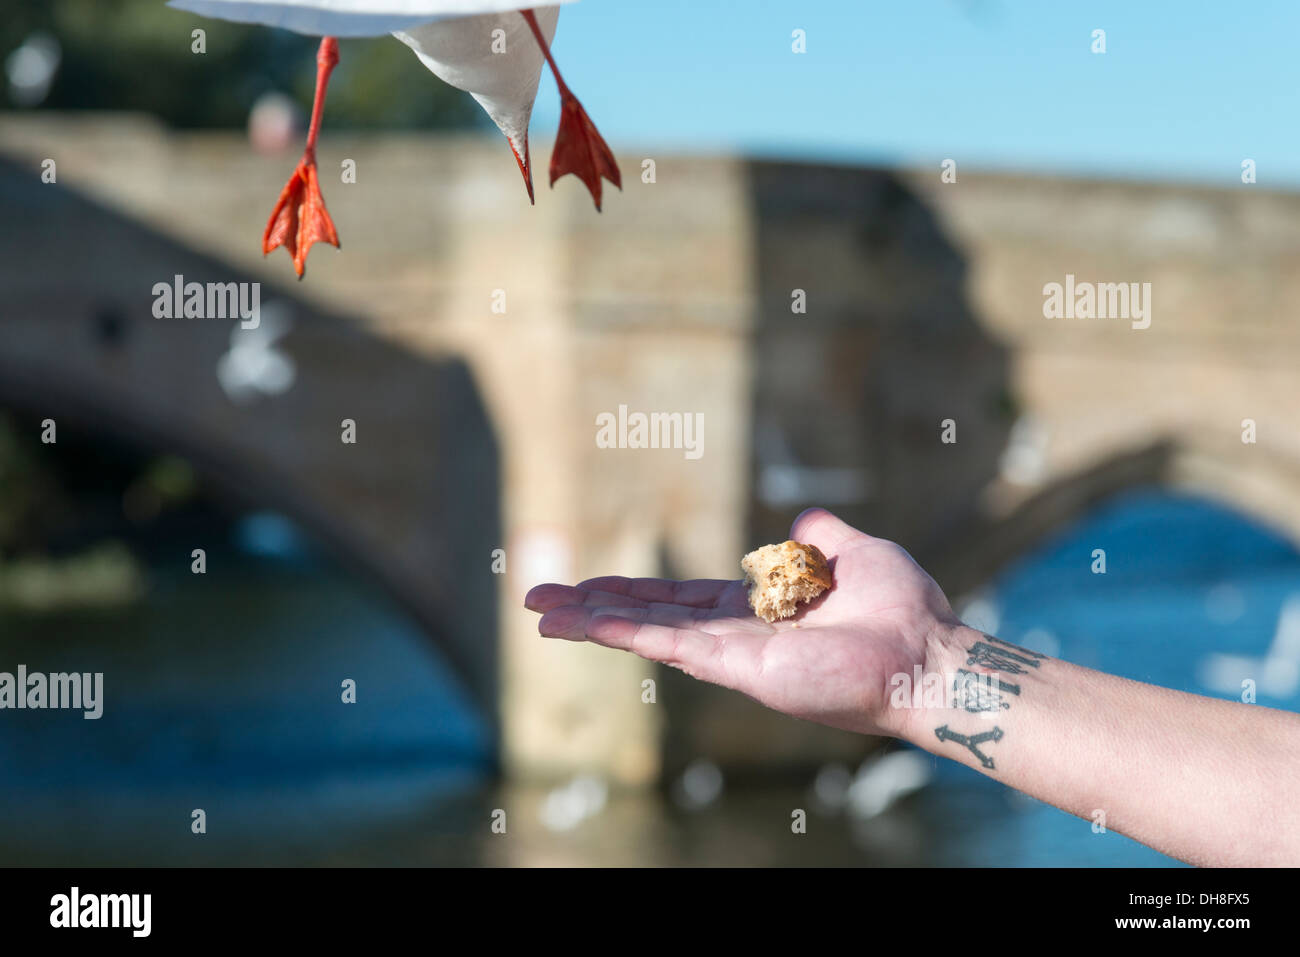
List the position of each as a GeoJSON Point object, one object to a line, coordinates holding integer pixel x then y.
{"type": "Point", "coordinates": [581, 150]}
{"type": "Point", "coordinates": [300, 218]}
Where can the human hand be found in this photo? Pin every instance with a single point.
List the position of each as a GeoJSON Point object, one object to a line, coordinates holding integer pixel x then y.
{"type": "Point", "coordinates": [831, 663]}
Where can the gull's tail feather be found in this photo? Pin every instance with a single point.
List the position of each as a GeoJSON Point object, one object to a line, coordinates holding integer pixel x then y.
{"type": "Point", "coordinates": [495, 59]}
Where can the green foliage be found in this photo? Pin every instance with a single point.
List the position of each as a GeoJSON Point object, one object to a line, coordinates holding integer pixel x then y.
{"type": "Point", "coordinates": [135, 55]}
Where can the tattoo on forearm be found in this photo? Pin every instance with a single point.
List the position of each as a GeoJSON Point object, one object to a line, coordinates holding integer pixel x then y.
{"type": "Point", "coordinates": [1002, 658]}
{"type": "Point", "coordinates": [971, 742]}
{"type": "Point", "coordinates": [1006, 644]}
{"type": "Point", "coordinates": [977, 694]}
{"type": "Point", "coordinates": [980, 694]}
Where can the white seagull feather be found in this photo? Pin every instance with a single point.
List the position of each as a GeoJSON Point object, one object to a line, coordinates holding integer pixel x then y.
{"type": "Point", "coordinates": [345, 18]}
{"type": "Point", "coordinates": [504, 84]}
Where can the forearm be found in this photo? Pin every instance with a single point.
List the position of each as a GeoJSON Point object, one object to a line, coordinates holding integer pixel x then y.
{"type": "Point", "coordinates": [1207, 781]}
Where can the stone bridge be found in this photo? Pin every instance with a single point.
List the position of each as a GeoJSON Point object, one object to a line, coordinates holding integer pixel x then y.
{"type": "Point", "coordinates": [474, 340]}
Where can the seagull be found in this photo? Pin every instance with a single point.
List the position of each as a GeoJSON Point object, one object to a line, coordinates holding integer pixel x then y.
{"type": "Point", "coordinates": [491, 49]}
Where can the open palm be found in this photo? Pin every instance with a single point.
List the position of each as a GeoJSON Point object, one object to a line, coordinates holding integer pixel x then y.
{"type": "Point", "coordinates": [831, 663]}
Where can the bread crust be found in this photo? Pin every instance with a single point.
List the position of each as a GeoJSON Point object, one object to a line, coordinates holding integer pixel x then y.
{"type": "Point", "coordinates": [780, 577]}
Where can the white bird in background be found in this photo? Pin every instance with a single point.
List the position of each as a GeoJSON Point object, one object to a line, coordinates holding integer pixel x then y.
{"type": "Point", "coordinates": [488, 48]}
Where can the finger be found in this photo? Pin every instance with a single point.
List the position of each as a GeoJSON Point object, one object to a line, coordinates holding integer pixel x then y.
{"type": "Point", "coordinates": [545, 597]}
{"type": "Point", "coordinates": [713, 621]}
{"type": "Point", "coordinates": [816, 526]}
{"type": "Point", "coordinates": [699, 592]}
{"type": "Point", "coordinates": [727, 660]}
{"type": "Point", "coordinates": [568, 622]}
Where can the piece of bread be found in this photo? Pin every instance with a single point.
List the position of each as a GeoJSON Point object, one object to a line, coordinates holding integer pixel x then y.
{"type": "Point", "coordinates": [780, 576]}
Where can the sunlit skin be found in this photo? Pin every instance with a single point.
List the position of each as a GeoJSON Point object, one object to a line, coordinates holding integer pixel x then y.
{"type": "Point", "coordinates": [829, 664]}
{"type": "Point", "coordinates": [300, 218]}
{"type": "Point", "coordinates": [1201, 779]}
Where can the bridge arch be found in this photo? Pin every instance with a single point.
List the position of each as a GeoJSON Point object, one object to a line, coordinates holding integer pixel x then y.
{"type": "Point", "coordinates": [403, 505]}
{"type": "Point", "coordinates": [227, 469]}
{"type": "Point", "coordinates": [1254, 481]}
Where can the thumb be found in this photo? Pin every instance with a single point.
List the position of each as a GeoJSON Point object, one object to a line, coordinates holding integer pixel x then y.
{"type": "Point", "coordinates": [816, 526]}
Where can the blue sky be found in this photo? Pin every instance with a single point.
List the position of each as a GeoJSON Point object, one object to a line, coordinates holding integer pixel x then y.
{"type": "Point", "coordinates": [1186, 90]}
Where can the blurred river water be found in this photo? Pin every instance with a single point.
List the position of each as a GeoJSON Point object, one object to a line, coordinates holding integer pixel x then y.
{"type": "Point", "coordinates": [222, 692]}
